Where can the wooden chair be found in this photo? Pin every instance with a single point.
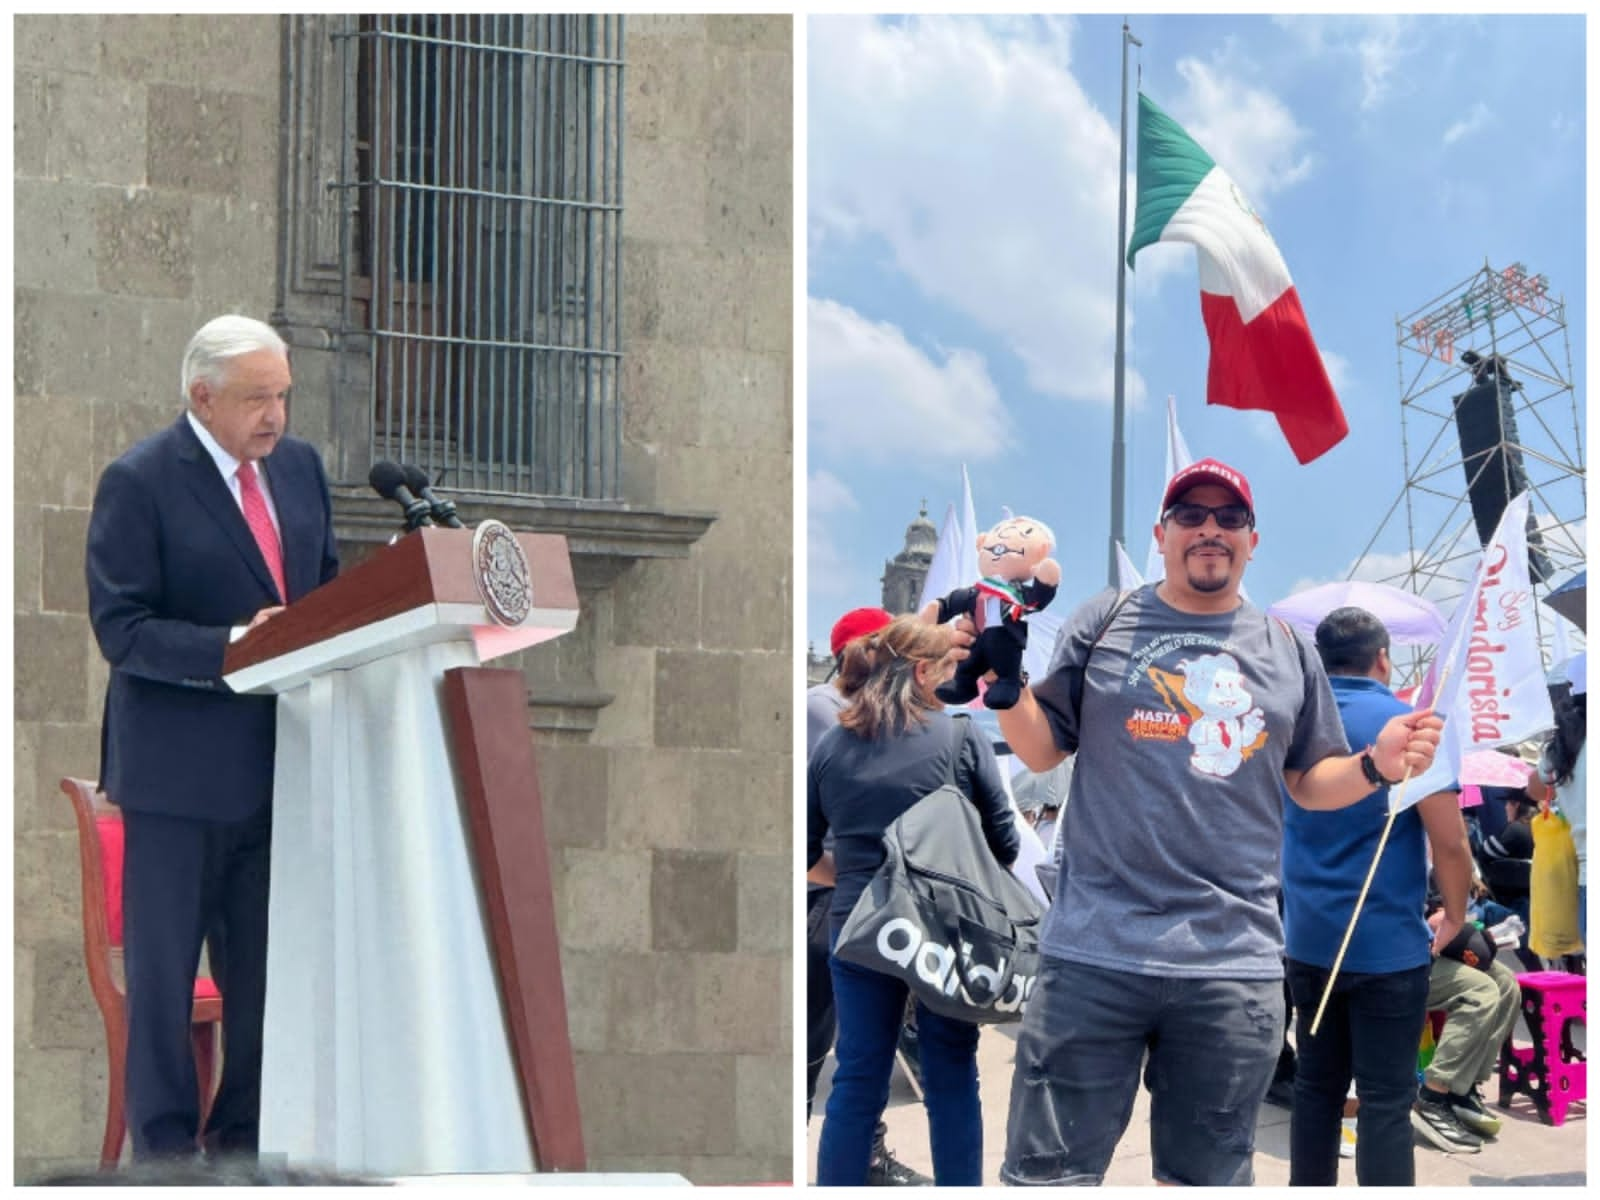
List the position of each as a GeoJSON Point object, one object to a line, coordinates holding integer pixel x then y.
{"type": "Point", "coordinates": [100, 841]}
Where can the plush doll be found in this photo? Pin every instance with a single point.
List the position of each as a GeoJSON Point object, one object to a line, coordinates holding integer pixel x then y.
{"type": "Point", "coordinates": [1018, 578]}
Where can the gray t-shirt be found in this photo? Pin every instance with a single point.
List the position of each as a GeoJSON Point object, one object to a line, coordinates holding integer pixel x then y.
{"type": "Point", "coordinates": [1175, 822]}
{"type": "Point", "coordinates": [823, 706]}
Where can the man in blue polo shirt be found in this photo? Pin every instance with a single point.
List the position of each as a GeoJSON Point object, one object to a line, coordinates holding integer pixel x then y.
{"type": "Point", "coordinates": [1373, 1022]}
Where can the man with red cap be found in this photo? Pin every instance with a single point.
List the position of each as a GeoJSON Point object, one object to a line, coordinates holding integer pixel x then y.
{"type": "Point", "coordinates": [824, 702]}
{"type": "Point", "coordinates": [1190, 712]}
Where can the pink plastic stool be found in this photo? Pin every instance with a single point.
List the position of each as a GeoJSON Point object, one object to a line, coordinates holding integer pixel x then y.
{"type": "Point", "coordinates": [1552, 1072]}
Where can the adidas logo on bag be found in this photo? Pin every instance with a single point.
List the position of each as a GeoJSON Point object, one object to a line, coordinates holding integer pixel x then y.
{"type": "Point", "coordinates": [902, 943]}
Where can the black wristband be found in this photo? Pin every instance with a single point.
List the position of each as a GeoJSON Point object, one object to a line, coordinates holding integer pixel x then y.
{"type": "Point", "coordinates": [1369, 768]}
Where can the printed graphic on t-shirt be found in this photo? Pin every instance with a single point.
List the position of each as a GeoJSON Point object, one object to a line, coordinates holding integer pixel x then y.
{"type": "Point", "coordinates": [1205, 701]}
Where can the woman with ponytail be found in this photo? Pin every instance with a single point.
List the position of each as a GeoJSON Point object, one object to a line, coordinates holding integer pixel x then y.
{"type": "Point", "coordinates": [894, 744]}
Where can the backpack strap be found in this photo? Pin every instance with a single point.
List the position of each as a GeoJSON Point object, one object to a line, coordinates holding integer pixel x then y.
{"type": "Point", "coordinates": [1122, 598]}
{"type": "Point", "coordinates": [958, 737]}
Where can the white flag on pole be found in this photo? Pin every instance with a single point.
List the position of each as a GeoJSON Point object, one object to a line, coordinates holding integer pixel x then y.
{"type": "Point", "coordinates": [1128, 576]}
{"type": "Point", "coordinates": [969, 533]}
{"type": "Point", "coordinates": [944, 572]}
{"type": "Point", "coordinates": [1494, 692]}
{"type": "Point", "coordinates": [1178, 457]}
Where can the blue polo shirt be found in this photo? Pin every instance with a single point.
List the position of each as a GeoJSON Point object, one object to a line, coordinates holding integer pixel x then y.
{"type": "Point", "coordinates": [1326, 856]}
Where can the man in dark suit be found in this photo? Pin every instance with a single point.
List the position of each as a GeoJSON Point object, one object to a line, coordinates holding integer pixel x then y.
{"type": "Point", "coordinates": [198, 533]}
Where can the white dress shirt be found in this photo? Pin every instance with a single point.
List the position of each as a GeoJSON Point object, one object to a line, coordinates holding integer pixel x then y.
{"type": "Point", "coordinates": [228, 465]}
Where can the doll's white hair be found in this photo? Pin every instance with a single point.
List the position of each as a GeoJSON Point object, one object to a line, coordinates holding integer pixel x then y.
{"type": "Point", "coordinates": [1049, 534]}
{"type": "Point", "coordinates": [221, 339]}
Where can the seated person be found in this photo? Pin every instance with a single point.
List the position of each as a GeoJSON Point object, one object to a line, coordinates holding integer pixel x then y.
{"type": "Point", "coordinates": [1506, 861]}
{"type": "Point", "coordinates": [1480, 997]}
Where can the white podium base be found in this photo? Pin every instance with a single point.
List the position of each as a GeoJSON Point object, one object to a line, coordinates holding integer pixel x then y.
{"type": "Point", "coordinates": [385, 1049]}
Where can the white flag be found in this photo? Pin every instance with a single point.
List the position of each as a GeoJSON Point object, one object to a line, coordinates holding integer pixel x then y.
{"type": "Point", "coordinates": [944, 572]}
{"type": "Point", "coordinates": [1127, 574]}
{"type": "Point", "coordinates": [969, 533]}
{"type": "Point", "coordinates": [1493, 689]}
{"type": "Point", "coordinates": [1178, 457]}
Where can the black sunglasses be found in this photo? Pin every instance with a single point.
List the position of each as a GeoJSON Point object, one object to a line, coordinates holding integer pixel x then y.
{"type": "Point", "coordinates": [1192, 516]}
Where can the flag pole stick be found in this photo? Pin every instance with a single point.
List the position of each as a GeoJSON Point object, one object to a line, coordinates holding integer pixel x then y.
{"type": "Point", "coordinates": [1396, 805]}
{"type": "Point", "coordinates": [1118, 447]}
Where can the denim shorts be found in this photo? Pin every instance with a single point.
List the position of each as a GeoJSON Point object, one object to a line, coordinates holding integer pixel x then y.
{"type": "Point", "coordinates": [1212, 1046]}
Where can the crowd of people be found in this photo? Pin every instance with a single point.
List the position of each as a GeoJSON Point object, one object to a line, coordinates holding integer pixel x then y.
{"type": "Point", "coordinates": [1230, 781]}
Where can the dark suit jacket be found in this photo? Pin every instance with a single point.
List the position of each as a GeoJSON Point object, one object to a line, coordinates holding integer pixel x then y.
{"type": "Point", "coordinates": [172, 567]}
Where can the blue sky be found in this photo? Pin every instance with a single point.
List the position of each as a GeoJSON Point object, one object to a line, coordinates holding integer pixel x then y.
{"type": "Point", "coordinates": [961, 253]}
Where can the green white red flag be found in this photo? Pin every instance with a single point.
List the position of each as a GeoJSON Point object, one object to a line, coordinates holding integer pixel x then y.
{"type": "Point", "coordinates": [1262, 354]}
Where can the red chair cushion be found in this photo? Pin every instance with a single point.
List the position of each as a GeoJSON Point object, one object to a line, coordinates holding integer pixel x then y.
{"type": "Point", "coordinates": [109, 827]}
{"type": "Point", "coordinates": [204, 989]}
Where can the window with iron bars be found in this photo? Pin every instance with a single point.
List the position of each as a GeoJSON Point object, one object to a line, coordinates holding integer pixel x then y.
{"type": "Point", "coordinates": [482, 245]}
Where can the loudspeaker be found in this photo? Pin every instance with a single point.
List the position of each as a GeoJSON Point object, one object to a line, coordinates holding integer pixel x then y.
{"type": "Point", "coordinates": [1486, 427]}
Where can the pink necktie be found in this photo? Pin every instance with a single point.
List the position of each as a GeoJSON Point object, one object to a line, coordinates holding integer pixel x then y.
{"type": "Point", "coordinates": [260, 522]}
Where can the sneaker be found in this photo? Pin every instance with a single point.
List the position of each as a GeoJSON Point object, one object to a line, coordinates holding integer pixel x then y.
{"type": "Point", "coordinates": [885, 1170]}
{"type": "Point", "coordinates": [1469, 1110]}
{"type": "Point", "coordinates": [1439, 1126]}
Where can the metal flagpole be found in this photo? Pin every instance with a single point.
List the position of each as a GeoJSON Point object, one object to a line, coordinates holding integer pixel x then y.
{"type": "Point", "coordinates": [1118, 448]}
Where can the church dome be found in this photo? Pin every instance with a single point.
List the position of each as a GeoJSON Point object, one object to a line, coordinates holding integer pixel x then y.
{"type": "Point", "coordinates": [922, 539]}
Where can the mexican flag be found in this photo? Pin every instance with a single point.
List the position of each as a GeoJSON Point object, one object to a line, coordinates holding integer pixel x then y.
{"type": "Point", "coordinates": [1262, 355]}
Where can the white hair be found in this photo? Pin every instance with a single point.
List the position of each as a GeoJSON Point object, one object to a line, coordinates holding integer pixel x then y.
{"type": "Point", "coordinates": [221, 339]}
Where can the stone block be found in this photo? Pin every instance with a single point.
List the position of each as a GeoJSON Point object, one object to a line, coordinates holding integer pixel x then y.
{"type": "Point", "coordinates": [120, 425]}
{"type": "Point", "coordinates": [194, 140]}
{"type": "Point", "coordinates": [629, 720]}
{"type": "Point", "coordinates": [742, 1002]}
{"type": "Point", "coordinates": [701, 294]}
{"type": "Point", "coordinates": [30, 132]}
{"type": "Point", "coordinates": [653, 26]}
{"type": "Point", "coordinates": [60, 751]}
{"type": "Point", "coordinates": [753, 31]}
{"type": "Point", "coordinates": [61, 42]}
{"type": "Point", "coordinates": [661, 383]}
{"type": "Point", "coordinates": [751, 531]}
{"type": "Point", "coordinates": [574, 783]}
{"type": "Point", "coordinates": [261, 123]}
{"type": "Point", "coordinates": [768, 316]}
{"type": "Point", "coordinates": [21, 996]}
{"type": "Point", "coordinates": [245, 51]}
{"type": "Point", "coordinates": [96, 131]}
{"type": "Point", "coordinates": [603, 897]}
{"type": "Point", "coordinates": [767, 886]}
{"type": "Point", "coordinates": [750, 201]}
{"type": "Point", "coordinates": [744, 402]}
{"type": "Point", "coordinates": [668, 197]}
{"type": "Point", "coordinates": [652, 1004]}
{"type": "Point", "coordinates": [48, 904]}
{"type": "Point", "coordinates": [55, 466]}
{"type": "Point", "coordinates": [27, 557]}
{"type": "Point", "coordinates": [694, 900]}
{"type": "Point", "coordinates": [767, 683]}
{"type": "Point", "coordinates": [641, 292]}
{"type": "Point", "coordinates": [747, 600]}
{"type": "Point", "coordinates": [228, 233]}
{"type": "Point", "coordinates": [742, 801]}
{"type": "Point", "coordinates": [51, 663]}
{"type": "Point", "coordinates": [96, 679]}
{"type": "Point", "coordinates": [652, 797]}
{"type": "Point", "coordinates": [586, 980]}
{"type": "Point", "coordinates": [660, 605]}
{"type": "Point", "coordinates": [766, 1104]}
{"type": "Point", "coordinates": [27, 364]}
{"type": "Point", "coordinates": [648, 1105]}
{"type": "Point", "coordinates": [697, 700]}
{"type": "Point", "coordinates": [66, 533]}
{"type": "Point", "coordinates": [64, 1011]}
{"type": "Point", "coordinates": [769, 105]}
{"type": "Point", "coordinates": [51, 1124]}
{"type": "Point", "coordinates": [157, 332]}
{"type": "Point", "coordinates": [667, 94]}
{"type": "Point", "coordinates": [145, 244]}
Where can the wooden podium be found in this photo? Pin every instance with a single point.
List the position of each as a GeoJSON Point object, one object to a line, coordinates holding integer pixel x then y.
{"type": "Point", "coordinates": [415, 1018]}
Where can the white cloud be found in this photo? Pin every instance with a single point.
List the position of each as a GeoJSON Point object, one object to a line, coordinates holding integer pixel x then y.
{"type": "Point", "coordinates": [874, 397]}
{"type": "Point", "coordinates": [1250, 133]}
{"type": "Point", "coordinates": [1380, 50]}
{"type": "Point", "coordinates": [830, 574]}
{"type": "Point", "coordinates": [987, 173]}
{"type": "Point", "coordinates": [1379, 45]}
{"type": "Point", "coordinates": [1470, 124]}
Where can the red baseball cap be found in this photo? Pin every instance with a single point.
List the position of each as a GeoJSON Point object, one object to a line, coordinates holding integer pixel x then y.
{"type": "Point", "coordinates": [1208, 470]}
{"type": "Point", "coordinates": [858, 622]}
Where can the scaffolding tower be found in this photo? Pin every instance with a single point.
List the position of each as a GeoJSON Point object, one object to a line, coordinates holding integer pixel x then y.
{"type": "Point", "coordinates": [1504, 322]}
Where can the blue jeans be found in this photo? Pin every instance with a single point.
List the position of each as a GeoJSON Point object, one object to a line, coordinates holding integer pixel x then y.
{"type": "Point", "coordinates": [1370, 1032]}
{"type": "Point", "coordinates": [1208, 1047]}
{"type": "Point", "coordinates": [870, 1009]}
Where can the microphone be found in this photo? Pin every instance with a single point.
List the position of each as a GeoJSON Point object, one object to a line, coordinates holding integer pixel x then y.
{"type": "Point", "coordinates": [389, 481]}
{"type": "Point", "coordinates": [444, 511]}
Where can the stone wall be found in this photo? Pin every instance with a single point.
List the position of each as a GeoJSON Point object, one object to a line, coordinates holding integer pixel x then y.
{"type": "Point", "coordinates": [146, 198]}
